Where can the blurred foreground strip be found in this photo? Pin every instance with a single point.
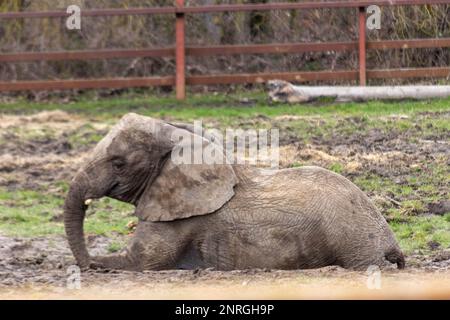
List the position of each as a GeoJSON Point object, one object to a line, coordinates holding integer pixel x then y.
{"type": "Point", "coordinates": [326, 283]}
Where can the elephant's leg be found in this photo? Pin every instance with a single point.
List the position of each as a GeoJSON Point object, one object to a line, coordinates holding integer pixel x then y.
{"type": "Point", "coordinates": [160, 245]}
{"type": "Point", "coordinates": [127, 259]}
{"type": "Point", "coordinates": [153, 247]}
{"type": "Point", "coordinates": [123, 261]}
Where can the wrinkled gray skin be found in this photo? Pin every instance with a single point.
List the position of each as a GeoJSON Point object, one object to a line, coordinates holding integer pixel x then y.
{"type": "Point", "coordinates": [223, 216]}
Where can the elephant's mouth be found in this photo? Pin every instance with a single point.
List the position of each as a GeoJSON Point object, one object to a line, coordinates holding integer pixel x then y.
{"type": "Point", "coordinates": [126, 193]}
{"type": "Point", "coordinates": [131, 192]}
{"type": "Point", "coordinates": [114, 191]}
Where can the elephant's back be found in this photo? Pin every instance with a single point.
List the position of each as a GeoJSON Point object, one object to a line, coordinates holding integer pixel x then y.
{"type": "Point", "coordinates": [317, 184]}
{"type": "Point", "coordinates": [308, 192]}
{"type": "Point", "coordinates": [301, 184]}
{"type": "Point", "coordinates": [318, 178]}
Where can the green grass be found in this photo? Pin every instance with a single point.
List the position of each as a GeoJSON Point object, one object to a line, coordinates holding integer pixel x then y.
{"type": "Point", "coordinates": [336, 167]}
{"type": "Point", "coordinates": [28, 213]}
{"type": "Point", "coordinates": [418, 232]}
{"type": "Point", "coordinates": [222, 107]}
{"type": "Point", "coordinates": [116, 246]}
{"type": "Point", "coordinates": [85, 135]}
{"type": "Point", "coordinates": [410, 222]}
{"type": "Point", "coordinates": [31, 214]}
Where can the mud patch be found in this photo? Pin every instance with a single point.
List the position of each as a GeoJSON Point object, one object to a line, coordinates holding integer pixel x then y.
{"type": "Point", "coordinates": [39, 149]}
{"type": "Point", "coordinates": [41, 260]}
{"type": "Point", "coordinates": [46, 259]}
{"type": "Point", "coordinates": [37, 268]}
{"type": "Point", "coordinates": [440, 207]}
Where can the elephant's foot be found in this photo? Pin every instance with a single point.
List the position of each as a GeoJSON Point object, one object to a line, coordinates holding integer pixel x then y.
{"type": "Point", "coordinates": [117, 261]}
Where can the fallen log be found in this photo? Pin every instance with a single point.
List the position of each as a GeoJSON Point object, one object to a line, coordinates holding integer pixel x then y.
{"type": "Point", "coordinates": [282, 91]}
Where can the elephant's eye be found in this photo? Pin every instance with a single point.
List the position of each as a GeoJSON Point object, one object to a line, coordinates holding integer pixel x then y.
{"type": "Point", "coordinates": [118, 163]}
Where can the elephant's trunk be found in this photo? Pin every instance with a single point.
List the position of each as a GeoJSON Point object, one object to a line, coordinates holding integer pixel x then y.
{"type": "Point", "coordinates": [74, 212]}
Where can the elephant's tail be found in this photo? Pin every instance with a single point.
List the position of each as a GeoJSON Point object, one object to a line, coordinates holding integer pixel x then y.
{"type": "Point", "coordinates": [395, 255]}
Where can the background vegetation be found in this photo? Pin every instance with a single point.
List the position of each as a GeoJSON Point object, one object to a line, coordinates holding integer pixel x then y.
{"type": "Point", "coordinates": [429, 21]}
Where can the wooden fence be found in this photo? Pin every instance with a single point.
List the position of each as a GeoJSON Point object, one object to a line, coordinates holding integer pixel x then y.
{"type": "Point", "coordinates": [180, 50]}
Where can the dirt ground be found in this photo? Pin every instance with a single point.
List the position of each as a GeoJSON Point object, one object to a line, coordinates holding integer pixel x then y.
{"type": "Point", "coordinates": [40, 149]}
{"type": "Point", "coordinates": [39, 268]}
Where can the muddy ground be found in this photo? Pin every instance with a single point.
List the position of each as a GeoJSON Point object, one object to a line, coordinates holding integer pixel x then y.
{"type": "Point", "coordinates": [39, 150]}
{"type": "Point", "coordinates": [40, 268]}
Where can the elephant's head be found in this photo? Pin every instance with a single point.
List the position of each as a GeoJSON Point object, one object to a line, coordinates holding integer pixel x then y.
{"type": "Point", "coordinates": [134, 163]}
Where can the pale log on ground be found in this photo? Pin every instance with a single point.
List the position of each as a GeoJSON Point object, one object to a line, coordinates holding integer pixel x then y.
{"type": "Point", "coordinates": [282, 91]}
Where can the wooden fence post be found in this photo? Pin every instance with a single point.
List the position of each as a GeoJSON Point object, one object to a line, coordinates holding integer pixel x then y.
{"type": "Point", "coordinates": [180, 57]}
{"type": "Point", "coordinates": [362, 45]}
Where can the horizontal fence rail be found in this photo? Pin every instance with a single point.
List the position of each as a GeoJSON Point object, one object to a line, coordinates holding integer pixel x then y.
{"type": "Point", "coordinates": [223, 50]}
{"type": "Point", "coordinates": [242, 78]}
{"type": "Point", "coordinates": [180, 50]}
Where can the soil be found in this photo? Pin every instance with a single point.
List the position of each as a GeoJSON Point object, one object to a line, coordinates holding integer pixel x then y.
{"type": "Point", "coordinates": [440, 207]}
{"type": "Point", "coordinates": [40, 268]}
{"type": "Point", "coordinates": [37, 267]}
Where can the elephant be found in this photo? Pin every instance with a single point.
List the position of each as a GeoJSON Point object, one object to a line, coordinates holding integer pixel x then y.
{"type": "Point", "coordinates": [223, 216]}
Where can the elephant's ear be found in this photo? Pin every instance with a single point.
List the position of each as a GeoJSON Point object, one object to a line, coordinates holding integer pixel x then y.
{"type": "Point", "coordinates": [183, 190]}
